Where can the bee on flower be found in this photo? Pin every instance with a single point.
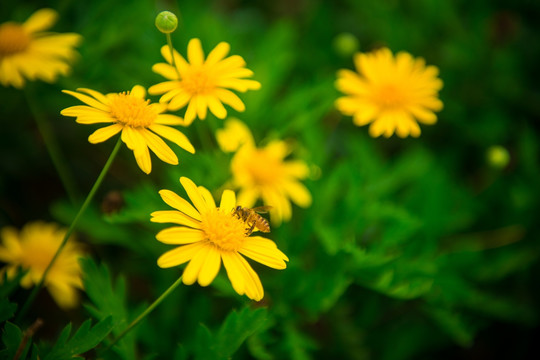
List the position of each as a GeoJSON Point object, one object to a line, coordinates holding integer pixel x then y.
{"type": "Point", "coordinates": [207, 235]}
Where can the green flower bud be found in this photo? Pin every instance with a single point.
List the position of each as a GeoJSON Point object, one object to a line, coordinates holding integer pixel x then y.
{"type": "Point", "coordinates": [346, 44]}
{"type": "Point", "coordinates": [498, 157]}
{"type": "Point", "coordinates": [166, 22]}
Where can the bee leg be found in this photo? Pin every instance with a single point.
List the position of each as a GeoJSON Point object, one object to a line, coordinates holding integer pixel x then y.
{"type": "Point", "coordinates": [250, 231]}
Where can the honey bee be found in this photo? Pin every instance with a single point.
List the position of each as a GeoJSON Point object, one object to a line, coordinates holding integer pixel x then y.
{"type": "Point", "coordinates": [252, 219]}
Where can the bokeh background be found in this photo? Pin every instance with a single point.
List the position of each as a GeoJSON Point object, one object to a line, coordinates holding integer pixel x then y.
{"type": "Point", "coordinates": [413, 248]}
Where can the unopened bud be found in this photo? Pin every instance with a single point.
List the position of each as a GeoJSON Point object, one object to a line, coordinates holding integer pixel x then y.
{"type": "Point", "coordinates": [166, 22]}
{"type": "Point", "coordinates": [498, 157]}
{"type": "Point", "coordinates": [346, 44]}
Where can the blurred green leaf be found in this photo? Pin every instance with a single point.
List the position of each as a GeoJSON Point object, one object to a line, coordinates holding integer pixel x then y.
{"type": "Point", "coordinates": [84, 339]}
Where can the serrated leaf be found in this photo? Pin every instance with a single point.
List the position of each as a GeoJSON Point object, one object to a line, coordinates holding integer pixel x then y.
{"type": "Point", "coordinates": [7, 309]}
{"type": "Point", "coordinates": [11, 338]}
{"type": "Point", "coordinates": [236, 328]}
{"type": "Point", "coordinates": [84, 339]}
{"type": "Point", "coordinates": [108, 298]}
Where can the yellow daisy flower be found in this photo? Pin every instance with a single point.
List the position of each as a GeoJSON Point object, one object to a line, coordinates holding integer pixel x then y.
{"type": "Point", "coordinates": [203, 84]}
{"type": "Point", "coordinates": [139, 121]}
{"type": "Point", "coordinates": [391, 93]}
{"type": "Point", "coordinates": [32, 249]}
{"type": "Point", "coordinates": [208, 235]}
{"type": "Point", "coordinates": [28, 52]}
{"type": "Point", "coordinates": [263, 173]}
{"type": "Point", "coordinates": [234, 135]}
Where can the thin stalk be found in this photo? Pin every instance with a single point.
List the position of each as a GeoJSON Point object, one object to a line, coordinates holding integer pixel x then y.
{"type": "Point", "coordinates": [52, 147]}
{"type": "Point", "coordinates": [144, 313]}
{"type": "Point", "coordinates": [71, 228]}
{"type": "Point", "coordinates": [171, 48]}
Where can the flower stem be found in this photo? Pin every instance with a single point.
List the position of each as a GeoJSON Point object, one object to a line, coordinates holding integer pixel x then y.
{"type": "Point", "coordinates": [144, 313]}
{"type": "Point", "coordinates": [171, 48]}
{"type": "Point", "coordinates": [52, 146]}
{"type": "Point", "coordinates": [71, 228]}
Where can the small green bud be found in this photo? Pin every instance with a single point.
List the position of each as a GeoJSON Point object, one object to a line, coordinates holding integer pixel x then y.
{"type": "Point", "coordinates": [498, 157]}
{"type": "Point", "coordinates": [346, 44]}
{"type": "Point", "coordinates": [166, 22]}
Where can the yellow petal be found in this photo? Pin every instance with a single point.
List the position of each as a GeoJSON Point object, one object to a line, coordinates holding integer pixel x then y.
{"type": "Point", "coordinates": [88, 100]}
{"type": "Point", "coordinates": [135, 141]}
{"type": "Point", "coordinates": [40, 20]}
{"type": "Point", "coordinates": [207, 197]}
{"type": "Point", "coordinates": [138, 91]}
{"type": "Point", "coordinates": [165, 70]}
{"type": "Point", "coordinates": [270, 258]}
{"type": "Point", "coordinates": [234, 272]}
{"type": "Point", "coordinates": [174, 200]}
{"type": "Point", "coordinates": [96, 94]}
{"type": "Point", "coordinates": [163, 87]}
{"type": "Point", "coordinates": [191, 111]}
{"type": "Point", "coordinates": [228, 201]}
{"type": "Point", "coordinates": [191, 273]}
{"type": "Point", "coordinates": [105, 133]}
{"type": "Point", "coordinates": [179, 235]}
{"type": "Point", "coordinates": [216, 107]}
{"type": "Point", "coordinates": [210, 268]}
{"type": "Point", "coordinates": [231, 99]}
{"type": "Point", "coordinates": [179, 98]}
{"type": "Point", "coordinates": [195, 52]}
{"type": "Point", "coordinates": [202, 107]}
{"type": "Point", "coordinates": [194, 194]}
{"type": "Point", "coordinates": [218, 53]}
{"type": "Point", "coordinates": [179, 256]}
{"type": "Point", "coordinates": [298, 193]}
{"type": "Point", "coordinates": [254, 289]}
{"type": "Point", "coordinates": [175, 217]}
{"type": "Point", "coordinates": [168, 119]}
{"type": "Point", "coordinates": [158, 146]}
{"type": "Point", "coordinates": [173, 135]}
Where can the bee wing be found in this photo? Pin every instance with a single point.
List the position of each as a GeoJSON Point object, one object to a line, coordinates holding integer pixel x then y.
{"type": "Point", "coordinates": [262, 209]}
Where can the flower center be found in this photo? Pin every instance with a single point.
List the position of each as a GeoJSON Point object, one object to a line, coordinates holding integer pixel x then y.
{"type": "Point", "coordinates": [13, 39]}
{"type": "Point", "coordinates": [198, 82]}
{"type": "Point", "coordinates": [223, 229]}
{"type": "Point", "coordinates": [389, 96]}
{"type": "Point", "coordinates": [37, 256]}
{"type": "Point", "coordinates": [131, 110]}
{"type": "Point", "coordinates": [263, 168]}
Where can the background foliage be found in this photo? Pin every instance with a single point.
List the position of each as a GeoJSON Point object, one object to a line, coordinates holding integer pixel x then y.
{"type": "Point", "coordinates": [415, 248]}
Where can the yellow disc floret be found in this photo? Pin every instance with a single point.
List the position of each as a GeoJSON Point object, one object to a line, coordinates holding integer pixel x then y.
{"type": "Point", "coordinates": [223, 229]}
{"type": "Point", "coordinates": [13, 39]}
{"type": "Point", "coordinates": [131, 110]}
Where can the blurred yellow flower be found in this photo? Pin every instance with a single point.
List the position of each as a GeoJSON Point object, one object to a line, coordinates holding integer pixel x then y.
{"type": "Point", "coordinates": [32, 249]}
{"type": "Point", "coordinates": [263, 173]}
{"type": "Point", "coordinates": [28, 52]}
{"type": "Point", "coordinates": [139, 121]}
{"type": "Point", "coordinates": [391, 93]}
{"type": "Point", "coordinates": [208, 235]}
{"type": "Point", "coordinates": [234, 135]}
{"type": "Point", "coordinates": [203, 84]}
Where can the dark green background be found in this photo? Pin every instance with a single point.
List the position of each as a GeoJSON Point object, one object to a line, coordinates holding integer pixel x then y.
{"type": "Point", "coordinates": [412, 249]}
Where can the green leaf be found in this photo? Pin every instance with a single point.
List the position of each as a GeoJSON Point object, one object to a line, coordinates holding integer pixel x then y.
{"type": "Point", "coordinates": [86, 338]}
{"type": "Point", "coordinates": [11, 338]}
{"type": "Point", "coordinates": [7, 285]}
{"type": "Point", "coordinates": [108, 299]}
{"type": "Point", "coordinates": [233, 332]}
{"type": "Point", "coordinates": [7, 309]}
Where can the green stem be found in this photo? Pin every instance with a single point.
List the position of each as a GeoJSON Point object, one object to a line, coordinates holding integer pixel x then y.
{"type": "Point", "coordinates": [171, 48]}
{"type": "Point", "coordinates": [144, 313]}
{"type": "Point", "coordinates": [52, 147]}
{"type": "Point", "coordinates": [87, 201]}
